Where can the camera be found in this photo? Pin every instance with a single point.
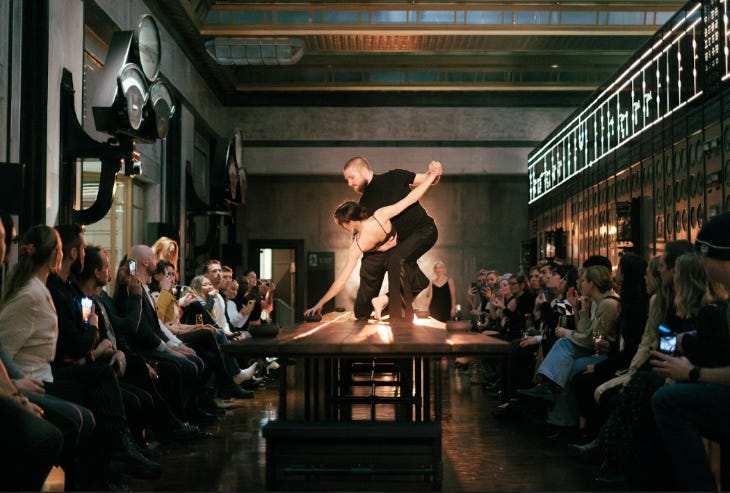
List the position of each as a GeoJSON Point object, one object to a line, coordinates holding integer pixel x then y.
{"type": "Point", "coordinates": [180, 290]}
{"type": "Point", "coordinates": [132, 267]}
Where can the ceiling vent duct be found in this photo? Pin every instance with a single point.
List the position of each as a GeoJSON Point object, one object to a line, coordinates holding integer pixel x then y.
{"type": "Point", "coordinates": [255, 51]}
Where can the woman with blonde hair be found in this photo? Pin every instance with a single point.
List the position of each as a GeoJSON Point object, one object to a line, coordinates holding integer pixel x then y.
{"type": "Point", "coordinates": [200, 309]}
{"type": "Point", "coordinates": [576, 348]}
{"type": "Point", "coordinates": [441, 294]}
{"type": "Point", "coordinates": [166, 249]}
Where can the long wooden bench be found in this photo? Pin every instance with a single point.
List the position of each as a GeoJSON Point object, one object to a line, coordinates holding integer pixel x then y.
{"type": "Point", "coordinates": [354, 456]}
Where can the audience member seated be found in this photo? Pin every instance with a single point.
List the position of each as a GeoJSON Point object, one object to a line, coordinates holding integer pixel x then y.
{"type": "Point", "coordinates": [518, 308]}
{"type": "Point", "coordinates": [576, 348]}
{"type": "Point", "coordinates": [540, 340]}
{"type": "Point", "coordinates": [697, 404]}
{"type": "Point", "coordinates": [628, 436]}
{"type": "Point", "coordinates": [131, 368]}
{"type": "Point", "coordinates": [197, 311]}
{"type": "Point", "coordinates": [154, 341]}
{"type": "Point", "coordinates": [237, 315]}
{"type": "Point", "coordinates": [479, 294]}
{"type": "Point", "coordinates": [630, 276]}
{"type": "Point", "coordinates": [30, 332]}
{"type": "Point", "coordinates": [80, 341]}
{"type": "Point", "coordinates": [262, 293]}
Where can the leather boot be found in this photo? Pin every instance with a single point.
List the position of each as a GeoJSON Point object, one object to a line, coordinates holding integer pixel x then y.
{"type": "Point", "coordinates": [127, 459]}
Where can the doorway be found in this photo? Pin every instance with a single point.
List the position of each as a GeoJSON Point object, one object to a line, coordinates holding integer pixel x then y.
{"type": "Point", "coordinates": [282, 261]}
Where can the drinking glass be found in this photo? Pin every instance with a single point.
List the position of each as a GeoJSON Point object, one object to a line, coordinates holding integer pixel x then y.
{"type": "Point", "coordinates": [598, 336]}
{"type": "Point", "coordinates": [529, 325]}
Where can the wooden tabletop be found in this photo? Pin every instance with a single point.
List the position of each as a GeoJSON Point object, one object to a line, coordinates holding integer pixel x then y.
{"type": "Point", "coordinates": [340, 334]}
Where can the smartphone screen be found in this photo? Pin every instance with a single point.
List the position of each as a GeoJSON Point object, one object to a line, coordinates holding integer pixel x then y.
{"type": "Point", "coordinates": [668, 344]}
{"type": "Point", "coordinates": [86, 308]}
{"type": "Point", "coordinates": [667, 340]}
{"type": "Point", "coordinates": [132, 267]}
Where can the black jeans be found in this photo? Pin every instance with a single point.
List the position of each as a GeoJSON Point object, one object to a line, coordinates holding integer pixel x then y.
{"type": "Point", "coordinates": [32, 446]}
{"type": "Point", "coordinates": [403, 270]}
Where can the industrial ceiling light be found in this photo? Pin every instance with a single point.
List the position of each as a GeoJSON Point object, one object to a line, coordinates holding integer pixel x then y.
{"type": "Point", "coordinates": [134, 90]}
{"type": "Point", "coordinates": [160, 109]}
{"type": "Point", "coordinates": [130, 97]}
{"type": "Point", "coordinates": [255, 51]}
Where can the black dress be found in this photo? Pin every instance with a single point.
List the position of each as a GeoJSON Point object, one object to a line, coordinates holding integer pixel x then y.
{"type": "Point", "coordinates": [440, 306]}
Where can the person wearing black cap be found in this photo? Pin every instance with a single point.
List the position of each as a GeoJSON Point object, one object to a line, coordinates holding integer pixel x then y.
{"type": "Point", "coordinates": [698, 404]}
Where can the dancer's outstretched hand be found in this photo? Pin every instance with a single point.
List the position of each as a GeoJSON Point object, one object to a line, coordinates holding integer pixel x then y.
{"type": "Point", "coordinates": [435, 168]}
{"type": "Point", "coordinates": [313, 310]}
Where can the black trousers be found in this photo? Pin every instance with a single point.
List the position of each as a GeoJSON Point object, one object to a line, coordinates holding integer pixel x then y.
{"type": "Point", "coordinates": [205, 345]}
{"type": "Point", "coordinates": [403, 270]}
{"type": "Point", "coordinates": [157, 409]}
{"type": "Point", "coordinates": [94, 386]}
{"type": "Point", "coordinates": [375, 265]}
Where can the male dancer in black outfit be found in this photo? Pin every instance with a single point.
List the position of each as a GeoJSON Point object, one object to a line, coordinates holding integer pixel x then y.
{"type": "Point", "coordinates": [417, 233]}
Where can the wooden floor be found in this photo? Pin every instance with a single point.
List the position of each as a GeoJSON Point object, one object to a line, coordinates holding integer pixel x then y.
{"type": "Point", "coordinates": [479, 452]}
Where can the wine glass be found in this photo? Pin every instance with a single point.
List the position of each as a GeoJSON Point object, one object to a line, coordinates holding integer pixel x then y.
{"type": "Point", "coordinates": [598, 336]}
{"type": "Point", "coordinates": [529, 326]}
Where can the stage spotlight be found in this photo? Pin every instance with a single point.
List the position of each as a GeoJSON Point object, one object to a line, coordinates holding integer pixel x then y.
{"type": "Point", "coordinates": [130, 99]}
{"type": "Point", "coordinates": [159, 110]}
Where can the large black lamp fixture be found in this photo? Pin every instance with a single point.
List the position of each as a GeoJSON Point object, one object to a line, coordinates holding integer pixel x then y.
{"type": "Point", "coordinates": [131, 104]}
{"type": "Point", "coordinates": [130, 98]}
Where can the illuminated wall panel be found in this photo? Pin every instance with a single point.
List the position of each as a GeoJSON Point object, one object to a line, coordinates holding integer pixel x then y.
{"type": "Point", "coordinates": [653, 144]}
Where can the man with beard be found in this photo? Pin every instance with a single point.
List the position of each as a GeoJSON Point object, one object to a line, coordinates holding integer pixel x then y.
{"type": "Point", "coordinates": [77, 377]}
{"type": "Point", "coordinates": [131, 369]}
{"type": "Point", "coordinates": [416, 234]}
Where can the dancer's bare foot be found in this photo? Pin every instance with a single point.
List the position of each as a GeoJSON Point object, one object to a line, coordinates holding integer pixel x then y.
{"type": "Point", "coordinates": [379, 303]}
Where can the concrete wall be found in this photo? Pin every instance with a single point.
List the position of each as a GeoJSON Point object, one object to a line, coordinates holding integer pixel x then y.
{"type": "Point", "coordinates": [320, 140]}
{"type": "Point", "coordinates": [294, 157]}
{"type": "Point", "coordinates": [481, 221]}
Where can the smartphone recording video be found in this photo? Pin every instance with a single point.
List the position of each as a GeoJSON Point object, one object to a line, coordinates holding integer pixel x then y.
{"type": "Point", "coordinates": [132, 267]}
{"type": "Point", "coordinates": [667, 340]}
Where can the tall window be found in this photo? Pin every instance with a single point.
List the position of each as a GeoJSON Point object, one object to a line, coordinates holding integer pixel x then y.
{"type": "Point", "coordinates": [113, 232]}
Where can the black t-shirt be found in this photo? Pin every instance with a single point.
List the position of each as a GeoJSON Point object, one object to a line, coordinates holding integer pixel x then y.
{"type": "Point", "coordinates": [389, 188]}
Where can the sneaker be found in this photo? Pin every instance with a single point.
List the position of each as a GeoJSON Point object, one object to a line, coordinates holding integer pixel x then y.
{"type": "Point", "coordinates": [542, 391]}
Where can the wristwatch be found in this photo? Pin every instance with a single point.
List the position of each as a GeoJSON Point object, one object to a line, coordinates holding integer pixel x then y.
{"type": "Point", "coordinates": [694, 373]}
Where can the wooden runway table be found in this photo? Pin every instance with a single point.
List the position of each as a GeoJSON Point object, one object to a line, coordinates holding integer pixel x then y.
{"type": "Point", "coordinates": [318, 444]}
